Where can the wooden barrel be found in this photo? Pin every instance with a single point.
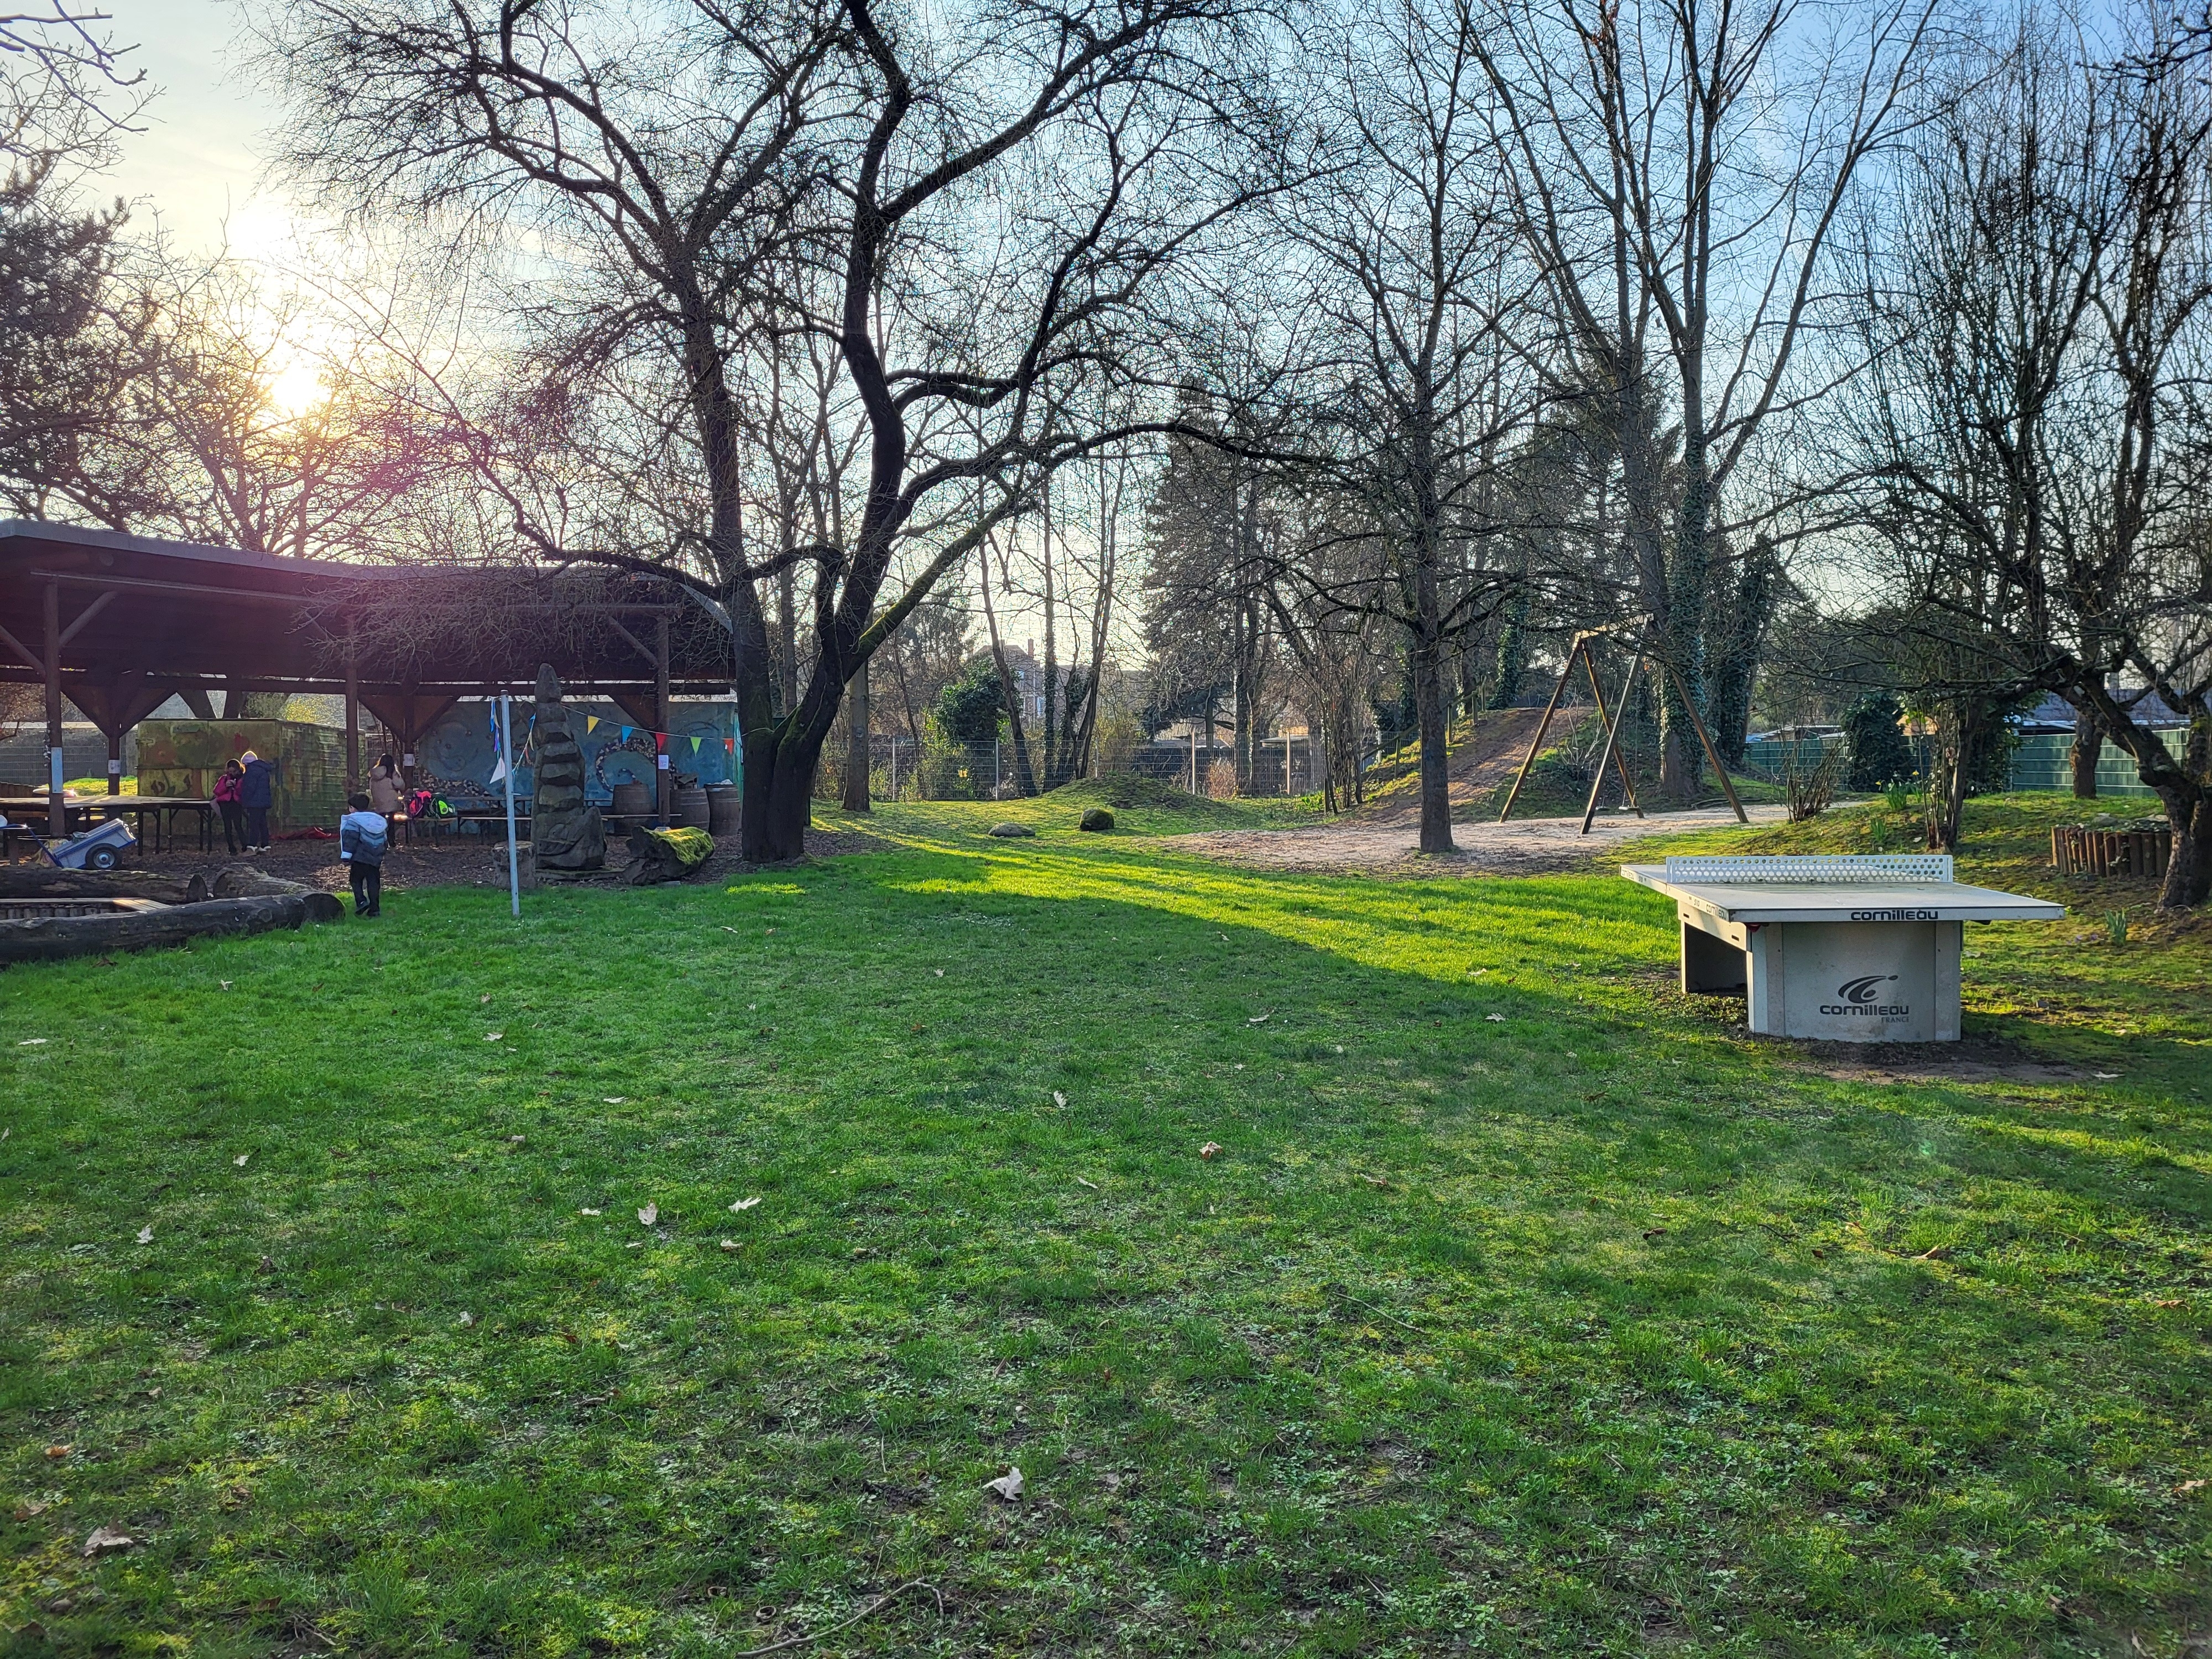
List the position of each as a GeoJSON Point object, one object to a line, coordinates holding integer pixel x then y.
{"type": "Point", "coordinates": [724, 802]}
{"type": "Point", "coordinates": [690, 810]}
{"type": "Point", "coordinates": [633, 806]}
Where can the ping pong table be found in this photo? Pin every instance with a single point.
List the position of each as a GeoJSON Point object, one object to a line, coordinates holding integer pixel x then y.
{"type": "Point", "coordinates": [1855, 948]}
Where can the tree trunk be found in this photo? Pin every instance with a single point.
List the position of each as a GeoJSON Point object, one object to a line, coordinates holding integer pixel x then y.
{"type": "Point", "coordinates": [2081, 759]}
{"type": "Point", "coordinates": [2189, 875]}
{"type": "Point", "coordinates": [1680, 755]}
{"type": "Point", "coordinates": [856, 747]}
{"type": "Point", "coordinates": [52, 938]}
{"type": "Point", "coordinates": [1429, 714]}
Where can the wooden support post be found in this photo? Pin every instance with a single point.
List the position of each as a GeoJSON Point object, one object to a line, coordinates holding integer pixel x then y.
{"type": "Point", "coordinates": [1719, 771]}
{"type": "Point", "coordinates": [1612, 742]}
{"type": "Point", "coordinates": [352, 716]}
{"type": "Point", "coordinates": [1566, 669]}
{"type": "Point", "coordinates": [1613, 748]}
{"type": "Point", "coordinates": [666, 799]}
{"type": "Point", "coordinates": [56, 814]}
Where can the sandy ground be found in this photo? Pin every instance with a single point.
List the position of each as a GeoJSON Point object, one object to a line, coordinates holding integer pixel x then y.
{"type": "Point", "coordinates": [1388, 846]}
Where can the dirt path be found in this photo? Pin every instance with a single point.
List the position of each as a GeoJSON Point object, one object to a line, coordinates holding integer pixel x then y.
{"type": "Point", "coordinates": [1360, 845]}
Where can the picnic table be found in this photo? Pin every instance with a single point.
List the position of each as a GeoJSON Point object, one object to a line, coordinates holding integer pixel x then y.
{"type": "Point", "coordinates": [1854, 949]}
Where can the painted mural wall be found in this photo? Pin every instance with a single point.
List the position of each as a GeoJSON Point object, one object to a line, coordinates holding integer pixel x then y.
{"type": "Point", "coordinates": [459, 755]}
{"type": "Point", "coordinates": [183, 757]}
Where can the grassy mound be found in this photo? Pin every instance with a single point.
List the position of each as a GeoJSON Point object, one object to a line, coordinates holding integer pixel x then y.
{"type": "Point", "coordinates": [1127, 791]}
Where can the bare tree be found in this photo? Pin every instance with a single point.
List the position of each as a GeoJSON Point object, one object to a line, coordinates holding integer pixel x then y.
{"type": "Point", "coordinates": [1415, 385]}
{"type": "Point", "coordinates": [1682, 164]}
{"type": "Point", "coordinates": [681, 166]}
{"type": "Point", "coordinates": [2036, 444]}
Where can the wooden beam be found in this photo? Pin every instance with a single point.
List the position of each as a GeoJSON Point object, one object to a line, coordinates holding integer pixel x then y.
{"type": "Point", "coordinates": [100, 604]}
{"type": "Point", "coordinates": [1619, 762]}
{"type": "Point", "coordinates": [662, 760]}
{"type": "Point", "coordinates": [1566, 670]}
{"type": "Point", "coordinates": [56, 814]}
{"type": "Point", "coordinates": [1727, 789]}
{"type": "Point", "coordinates": [1612, 742]}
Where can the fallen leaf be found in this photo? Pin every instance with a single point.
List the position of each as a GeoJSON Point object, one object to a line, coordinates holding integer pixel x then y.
{"type": "Point", "coordinates": [105, 1541]}
{"type": "Point", "coordinates": [729, 1243]}
{"type": "Point", "coordinates": [1496, 1019]}
{"type": "Point", "coordinates": [771, 930]}
{"type": "Point", "coordinates": [2185, 1487]}
{"type": "Point", "coordinates": [1212, 1149]}
{"type": "Point", "coordinates": [30, 1042]}
{"type": "Point", "coordinates": [2107, 1077]}
{"type": "Point", "coordinates": [240, 1159]}
{"type": "Point", "coordinates": [587, 1213]}
{"type": "Point", "coordinates": [224, 983]}
{"type": "Point", "coordinates": [728, 928]}
{"type": "Point", "coordinates": [649, 1214]}
{"type": "Point", "coordinates": [494, 1036]}
{"type": "Point", "coordinates": [939, 972]}
{"type": "Point", "coordinates": [467, 1319]}
{"type": "Point", "coordinates": [57, 1451]}
{"type": "Point", "coordinates": [634, 1244]}
{"type": "Point", "coordinates": [146, 1235]}
{"type": "Point", "coordinates": [1259, 1020]}
{"type": "Point", "coordinates": [614, 1100]}
{"type": "Point", "coordinates": [1093, 1185]}
{"type": "Point", "coordinates": [514, 1141]}
{"type": "Point", "coordinates": [1655, 1232]}
{"type": "Point", "coordinates": [2167, 1302]}
{"type": "Point", "coordinates": [1340, 1047]}
{"type": "Point", "coordinates": [743, 1205]}
{"type": "Point", "coordinates": [31, 1511]}
{"type": "Point", "coordinates": [1058, 1098]}
{"type": "Point", "coordinates": [1007, 1485]}
{"type": "Point", "coordinates": [1935, 1253]}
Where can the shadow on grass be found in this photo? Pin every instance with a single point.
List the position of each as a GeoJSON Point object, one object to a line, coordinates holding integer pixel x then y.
{"type": "Point", "coordinates": [1511, 1311]}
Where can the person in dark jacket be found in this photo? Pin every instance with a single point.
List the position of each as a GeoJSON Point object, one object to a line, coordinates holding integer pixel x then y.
{"type": "Point", "coordinates": [226, 788]}
{"type": "Point", "coordinates": [256, 794]}
{"type": "Point", "coordinates": [361, 842]}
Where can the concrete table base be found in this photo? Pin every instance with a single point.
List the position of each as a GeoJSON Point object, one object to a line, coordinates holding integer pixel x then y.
{"type": "Point", "coordinates": [1848, 982]}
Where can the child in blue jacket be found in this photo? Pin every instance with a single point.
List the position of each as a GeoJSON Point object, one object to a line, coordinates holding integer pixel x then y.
{"type": "Point", "coordinates": [362, 834]}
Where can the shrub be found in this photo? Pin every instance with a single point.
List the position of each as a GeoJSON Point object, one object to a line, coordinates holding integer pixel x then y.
{"type": "Point", "coordinates": [1879, 755]}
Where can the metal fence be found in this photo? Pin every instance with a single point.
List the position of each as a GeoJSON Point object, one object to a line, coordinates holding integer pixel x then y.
{"type": "Point", "coordinates": [899, 769]}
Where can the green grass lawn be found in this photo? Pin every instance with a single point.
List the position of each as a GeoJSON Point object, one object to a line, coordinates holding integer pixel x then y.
{"type": "Point", "coordinates": [1525, 1308]}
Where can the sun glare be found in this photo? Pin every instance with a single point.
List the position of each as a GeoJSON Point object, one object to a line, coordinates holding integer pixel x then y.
{"type": "Point", "coordinates": [297, 385]}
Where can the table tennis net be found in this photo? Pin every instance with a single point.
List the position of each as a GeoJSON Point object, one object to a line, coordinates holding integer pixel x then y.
{"type": "Point", "coordinates": [1827, 870]}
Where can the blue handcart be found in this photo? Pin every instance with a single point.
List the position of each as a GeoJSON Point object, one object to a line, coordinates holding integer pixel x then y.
{"type": "Point", "coordinates": [95, 849]}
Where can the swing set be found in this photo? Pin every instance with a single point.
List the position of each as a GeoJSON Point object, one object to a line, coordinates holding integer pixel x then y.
{"type": "Point", "coordinates": [1579, 650]}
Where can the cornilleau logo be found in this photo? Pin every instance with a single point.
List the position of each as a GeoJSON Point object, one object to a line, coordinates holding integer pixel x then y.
{"type": "Point", "coordinates": [1860, 996]}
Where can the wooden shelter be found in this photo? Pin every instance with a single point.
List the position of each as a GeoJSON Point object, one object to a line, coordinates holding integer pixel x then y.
{"type": "Point", "coordinates": [117, 625]}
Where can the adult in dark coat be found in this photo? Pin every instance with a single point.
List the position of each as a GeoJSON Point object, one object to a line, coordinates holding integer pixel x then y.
{"type": "Point", "coordinates": [256, 794]}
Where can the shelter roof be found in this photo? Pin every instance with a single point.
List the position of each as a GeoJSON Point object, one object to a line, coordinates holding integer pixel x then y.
{"type": "Point", "coordinates": [162, 616]}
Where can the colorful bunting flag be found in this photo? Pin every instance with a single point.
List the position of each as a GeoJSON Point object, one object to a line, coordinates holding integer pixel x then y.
{"type": "Point", "coordinates": [626, 730]}
{"type": "Point", "coordinates": [695, 745]}
{"type": "Point", "coordinates": [590, 723]}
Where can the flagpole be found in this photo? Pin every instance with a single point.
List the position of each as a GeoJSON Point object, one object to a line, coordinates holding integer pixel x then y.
{"type": "Point", "coordinates": [513, 864]}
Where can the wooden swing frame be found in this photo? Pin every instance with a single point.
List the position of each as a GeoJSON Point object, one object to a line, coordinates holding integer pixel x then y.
{"type": "Point", "coordinates": [1579, 650]}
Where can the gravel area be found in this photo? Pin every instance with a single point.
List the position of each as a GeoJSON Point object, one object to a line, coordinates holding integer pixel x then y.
{"type": "Point", "coordinates": [1390, 847]}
